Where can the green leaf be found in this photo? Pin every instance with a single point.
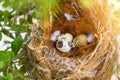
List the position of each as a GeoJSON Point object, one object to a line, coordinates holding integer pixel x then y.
{"type": "Point", "coordinates": [21, 28]}
{"type": "Point", "coordinates": [0, 36]}
{"type": "Point", "coordinates": [11, 54]}
{"type": "Point", "coordinates": [10, 76]}
{"type": "Point", "coordinates": [2, 78]}
{"type": "Point", "coordinates": [2, 64]}
{"type": "Point", "coordinates": [20, 76]}
{"type": "Point", "coordinates": [48, 8]}
{"type": "Point", "coordinates": [17, 44]}
{"type": "Point", "coordinates": [1, 14]}
{"type": "Point", "coordinates": [7, 33]}
{"type": "Point", "coordinates": [22, 20]}
{"type": "Point", "coordinates": [22, 69]}
{"type": "Point", "coordinates": [6, 3]}
{"type": "Point", "coordinates": [29, 19]}
{"type": "Point", "coordinates": [6, 55]}
{"type": "Point", "coordinates": [7, 17]}
{"type": "Point", "coordinates": [0, 25]}
{"type": "Point", "coordinates": [7, 14]}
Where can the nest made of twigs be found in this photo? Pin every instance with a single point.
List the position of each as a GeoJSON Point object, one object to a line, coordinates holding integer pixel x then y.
{"type": "Point", "coordinates": [95, 61]}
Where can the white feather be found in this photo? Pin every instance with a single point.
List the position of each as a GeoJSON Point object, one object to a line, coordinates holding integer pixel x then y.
{"type": "Point", "coordinates": [70, 17]}
{"type": "Point", "coordinates": [55, 35]}
{"type": "Point", "coordinates": [90, 37]}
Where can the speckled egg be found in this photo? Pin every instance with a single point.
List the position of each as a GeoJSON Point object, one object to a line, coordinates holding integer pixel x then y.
{"type": "Point", "coordinates": [80, 40]}
{"type": "Point", "coordinates": [64, 45]}
{"type": "Point", "coordinates": [66, 36]}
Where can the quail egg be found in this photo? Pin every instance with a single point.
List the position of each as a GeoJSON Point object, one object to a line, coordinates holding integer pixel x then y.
{"type": "Point", "coordinates": [80, 40]}
{"type": "Point", "coordinates": [64, 42]}
{"type": "Point", "coordinates": [66, 36]}
{"type": "Point", "coordinates": [64, 45]}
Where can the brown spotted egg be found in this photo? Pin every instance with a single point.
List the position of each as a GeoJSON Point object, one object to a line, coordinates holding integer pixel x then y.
{"type": "Point", "coordinates": [80, 40]}
{"type": "Point", "coordinates": [64, 43]}
{"type": "Point", "coordinates": [66, 36]}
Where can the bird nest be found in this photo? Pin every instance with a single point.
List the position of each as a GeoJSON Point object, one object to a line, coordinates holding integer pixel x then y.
{"type": "Point", "coordinates": [94, 61]}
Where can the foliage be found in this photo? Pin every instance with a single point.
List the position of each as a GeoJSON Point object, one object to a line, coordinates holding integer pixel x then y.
{"type": "Point", "coordinates": [17, 44]}
{"type": "Point", "coordinates": [11, 27]}
{"type": "Point", "coordinates": [47, 8]}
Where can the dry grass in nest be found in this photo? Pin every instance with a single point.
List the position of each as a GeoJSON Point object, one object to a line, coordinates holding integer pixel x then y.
{"type": "Point", "coordinates": [95, 61]}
